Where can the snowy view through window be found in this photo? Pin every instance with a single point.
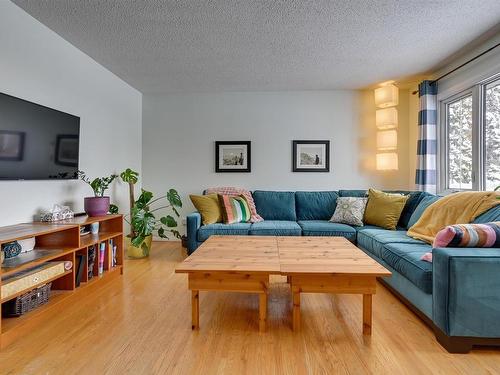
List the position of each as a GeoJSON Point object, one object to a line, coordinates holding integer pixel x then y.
{"type": "Point", "coordinates": [492, 136]}
{"type": "Point", "coordinates": [461, 163]}
{"type": "Point", "coordinates": [460, 143]}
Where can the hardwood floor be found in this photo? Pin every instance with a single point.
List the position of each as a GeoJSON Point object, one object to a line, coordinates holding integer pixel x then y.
{"type": "Point", "coordinates": [141, 324]}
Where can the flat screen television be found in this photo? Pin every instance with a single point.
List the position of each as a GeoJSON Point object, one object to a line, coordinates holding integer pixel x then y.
{"type": "Point", "coordinates": [36, 142]}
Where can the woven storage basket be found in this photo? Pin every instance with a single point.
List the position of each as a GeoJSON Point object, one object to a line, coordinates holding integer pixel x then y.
{"type": "Point", "coordinates": [27, 302]}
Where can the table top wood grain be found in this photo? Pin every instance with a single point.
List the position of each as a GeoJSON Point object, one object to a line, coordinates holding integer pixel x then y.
{"type": "Point", "coordinates": [252, 254]}
{"type": "Point", "coordinates": [325, 255]}
{"type": "Point", "coordinates": [281, 255]}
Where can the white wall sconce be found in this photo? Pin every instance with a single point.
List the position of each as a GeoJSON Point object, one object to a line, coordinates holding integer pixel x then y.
{"type": "Point", "coordinates": [386, 118]}
{"type": "Point", "coordinates": [387, 161]}
{"type": "Point", "coordinates": [387, 140]}
{"type": "Point", "coordinates": [386, 96]}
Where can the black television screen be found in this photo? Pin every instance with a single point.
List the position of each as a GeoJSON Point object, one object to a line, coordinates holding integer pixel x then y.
{"type": "Point", "coordinates": [36, 142]}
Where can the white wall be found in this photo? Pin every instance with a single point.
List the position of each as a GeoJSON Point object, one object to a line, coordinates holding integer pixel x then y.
{"type": "Point", "coordinates": [38, 65]}
{"type": "Point", "coordinates": [179, 132]}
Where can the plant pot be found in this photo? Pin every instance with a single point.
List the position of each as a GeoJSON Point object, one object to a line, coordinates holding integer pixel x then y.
{"type": "Point", "coordinates": [96, 206]}
{"type": "Point", "coordinates": [140, 251]}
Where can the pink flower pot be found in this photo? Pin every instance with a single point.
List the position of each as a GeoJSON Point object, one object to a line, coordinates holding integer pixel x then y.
{"type": "Point", "coordinates": [96, 206]}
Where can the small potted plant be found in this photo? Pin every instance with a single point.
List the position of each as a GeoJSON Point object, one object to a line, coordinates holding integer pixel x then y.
{"type": "Point", "coordinates": [142, 219]}
{"type": "Point", "coordinates": [98, 205]}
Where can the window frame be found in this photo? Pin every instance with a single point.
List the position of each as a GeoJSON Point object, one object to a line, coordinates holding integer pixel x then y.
{"type": "Point", "coordinates": [477, 91]}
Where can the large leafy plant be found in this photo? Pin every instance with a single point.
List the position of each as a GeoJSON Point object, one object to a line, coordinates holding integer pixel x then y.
{"type": "Point", "coordinates": [144, 222]}
{"type": "Point", "coordinates": [142, 218]}
{"type": "Point", "coordinates": [99, 185]}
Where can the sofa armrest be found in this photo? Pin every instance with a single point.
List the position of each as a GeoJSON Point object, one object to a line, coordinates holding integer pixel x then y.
{"type": "Point", "coordinates": [193, 223]}
{"type": "Point", "coordinates": [466, 291]}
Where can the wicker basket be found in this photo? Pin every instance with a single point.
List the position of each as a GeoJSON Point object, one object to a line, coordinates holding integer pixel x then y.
{"type": "Point", "coordinates": [27, 302]}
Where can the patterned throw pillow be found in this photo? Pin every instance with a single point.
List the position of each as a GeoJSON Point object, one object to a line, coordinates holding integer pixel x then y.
{"type": "Point", "coordinates": [466, 235]}
{"type": "Point", "coordinates": [235, 209]}
{"type": "Point", "coordinates": [350, 210]}
{"type": "Point", "coordinates": [255, 218]}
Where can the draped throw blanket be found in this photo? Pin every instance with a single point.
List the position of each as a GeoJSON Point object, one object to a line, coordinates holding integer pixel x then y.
{"type": "Point", "coordinates": [426, 178]}
{"type": "Point", "coordinates": [457, 208]}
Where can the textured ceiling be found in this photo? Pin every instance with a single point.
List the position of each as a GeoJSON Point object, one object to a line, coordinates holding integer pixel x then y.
{"type": "Point", "coordinates": [166, 46]}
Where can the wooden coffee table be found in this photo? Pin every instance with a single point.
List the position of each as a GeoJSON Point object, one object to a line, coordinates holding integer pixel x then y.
{"type": "Point", "coordinates": [235, 264]}
{"type": "Point", "coordinates": [311, 264]}
{"type": "Point", "coordinates": [329, 265]}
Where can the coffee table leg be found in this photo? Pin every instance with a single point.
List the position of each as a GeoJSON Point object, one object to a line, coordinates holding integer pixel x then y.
{"type": "Point", "coordinates": [195, 306]}
{"type": "Point", "coordinates": [367, 314]}
{"type": "Point", "coordinates": [262, 311]}
{"type": "Point", "coordinates": [296, 308]}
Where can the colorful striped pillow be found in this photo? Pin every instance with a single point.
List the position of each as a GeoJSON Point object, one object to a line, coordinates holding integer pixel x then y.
{"type": "Point", "coordinates": [234, 191]}
{"type": "Point", "coordinates": [235, 209]}
{"type": "Point", "coordinates": [466, 235]}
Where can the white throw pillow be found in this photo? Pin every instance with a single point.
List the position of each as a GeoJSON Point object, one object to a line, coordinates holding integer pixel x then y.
{"type": "Point", "coordinates": [350, 210]}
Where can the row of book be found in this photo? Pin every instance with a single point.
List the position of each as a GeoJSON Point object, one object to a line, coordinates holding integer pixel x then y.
{"type": "Point", "coordinates": [95, 253]}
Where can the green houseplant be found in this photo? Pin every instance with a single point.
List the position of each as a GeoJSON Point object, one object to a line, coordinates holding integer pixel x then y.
{"type": "Point", "coordinates": [142, 217]}
{"type": "Point", "coordinates": [98, 205]}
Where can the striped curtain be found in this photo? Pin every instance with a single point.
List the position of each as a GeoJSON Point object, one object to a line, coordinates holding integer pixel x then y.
{"type": "Point", "coordinates": [426, 177]}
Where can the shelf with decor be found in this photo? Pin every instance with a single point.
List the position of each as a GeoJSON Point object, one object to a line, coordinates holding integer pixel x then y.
{"type": "Point", "coordinates": [57, 250]}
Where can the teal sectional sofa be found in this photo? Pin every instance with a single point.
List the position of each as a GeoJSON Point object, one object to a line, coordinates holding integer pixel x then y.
{"type": "Point", "coordinates": [458, 294]}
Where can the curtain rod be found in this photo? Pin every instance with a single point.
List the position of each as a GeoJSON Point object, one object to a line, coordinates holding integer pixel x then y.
{"type": "Point", "coordinates": [461, 66]}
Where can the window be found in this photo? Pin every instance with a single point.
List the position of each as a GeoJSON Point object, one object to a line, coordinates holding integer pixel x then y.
{"type": "Point", "coordinates": [470, 138]}
{"type": "Point", "coordinates": [459, 121]}
{"type": "Point", "coordinates": [492, 135]}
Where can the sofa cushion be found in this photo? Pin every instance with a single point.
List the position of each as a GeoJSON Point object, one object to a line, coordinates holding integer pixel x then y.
{"type": "Point", "coordinates": [353, 193]}
{"type": "Point", "coordinates": [414, 198]}
{"type": "Point", "coordinates": [275, 228]}
{"type": "Point", "coordinates": [315, 205]}
{"type": "Point", "coordinates": [405, 258]}
{"type": "Point", "coordinates": [384, 209]}
{"type": "Point", "coordinates": [422, 206]}
{"type": "Point", "coordinates": [206, 231]}
{"type": "Point", "coordinates": [373, 239]}
{"type": "Point", "coordinates": [208, 207]}
{"type": "Point", "coordinates": [493, 214]}
{"type": "Point", "coordinates": [327, 228]}
{"type": "Point", "coordinates": [275, 205]}
{"type": "Point", "coordinates": [350, 210]}
{"type": "Point", "coordinates": [412, 202]}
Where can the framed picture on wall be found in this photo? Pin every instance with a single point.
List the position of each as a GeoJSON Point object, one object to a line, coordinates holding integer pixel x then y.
{"type": "Point", "coordinates": [11, 145]}
{"type": "Point", "coordinates": [311, 156]}
{"type": "Point", "coordinates": [232, 156]}
{"type": "Point", "coordinates": [67, 150]}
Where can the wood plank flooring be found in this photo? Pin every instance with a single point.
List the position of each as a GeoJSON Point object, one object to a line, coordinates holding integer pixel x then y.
{"type": "Point", "coordinates": [141, 324]}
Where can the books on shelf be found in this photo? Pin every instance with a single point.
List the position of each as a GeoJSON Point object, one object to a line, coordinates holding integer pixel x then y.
{"type": "Point", "coordinates": [102, 251]}
{"type": "Point", "coordinates": [80, 259]}
{"type": "Point", "coordinates": [91, 261]}
{"type": "Point", "coordinates": [112, 248]}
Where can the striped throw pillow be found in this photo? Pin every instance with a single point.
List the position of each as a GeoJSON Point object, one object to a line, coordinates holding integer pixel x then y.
{"type": "Point", "coordinates": [227, 190]}
{"type": "Point", "coordinates": [235, 209]}
{"type": "Point", "coordinates": [466, 235]}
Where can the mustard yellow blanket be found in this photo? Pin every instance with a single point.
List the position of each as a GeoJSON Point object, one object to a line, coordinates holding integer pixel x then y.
{"type": "Point", "coordinates": [457, 208]}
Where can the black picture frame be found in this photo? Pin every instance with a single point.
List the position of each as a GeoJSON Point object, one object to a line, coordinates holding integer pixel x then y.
{"type": "Point", "coordinates": [236, 168]}
{"type": "Point", "coordinates": [324, 167]}
{"type": "Point", "coordinates": [60, 144]}
{"type": "Point", "coordinates": [7, 155]}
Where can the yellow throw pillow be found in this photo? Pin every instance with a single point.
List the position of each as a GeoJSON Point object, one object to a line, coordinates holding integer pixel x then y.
{"type": "Point", "coordinates": [209, 208]}
{"type": "Point", "coordinates": [384, 209]}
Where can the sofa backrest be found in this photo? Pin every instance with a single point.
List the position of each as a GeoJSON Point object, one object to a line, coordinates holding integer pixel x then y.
{"type": "Point", "coordinates": [275, 205]}
{"type": "Point", "coordinates": [315, 205]}
{"type": "Point", "coordinates": [493, 214]}
{"type": "Point", "coordinates": [414, 199]}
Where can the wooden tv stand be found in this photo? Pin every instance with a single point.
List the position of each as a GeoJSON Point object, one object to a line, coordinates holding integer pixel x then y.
{"type": "Point", "coordinates": [64, 242]}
